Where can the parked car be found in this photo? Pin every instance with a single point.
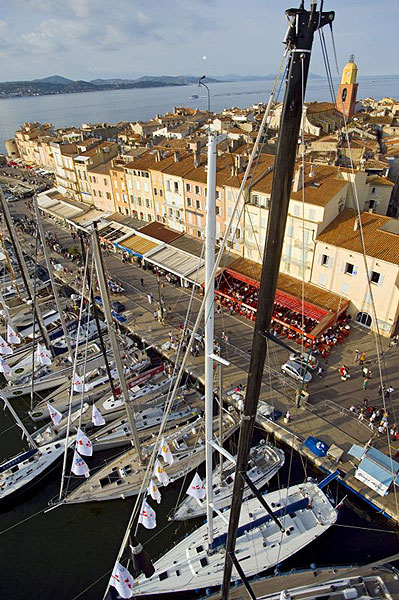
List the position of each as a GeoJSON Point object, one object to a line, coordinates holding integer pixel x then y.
{"type": "Point", "coordinates": [307, 360]}
{"type": "Point", "coordinates": [296, 371]}
{"type": "Point", "coordinates": [117, 306]}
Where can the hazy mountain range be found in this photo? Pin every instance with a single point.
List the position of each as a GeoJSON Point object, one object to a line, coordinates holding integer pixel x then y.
{"type": "Point", "coordinates": [56, 84]}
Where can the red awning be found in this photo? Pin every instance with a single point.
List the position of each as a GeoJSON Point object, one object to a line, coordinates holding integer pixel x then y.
{"type": "Point", "coordinates": [311, 310]}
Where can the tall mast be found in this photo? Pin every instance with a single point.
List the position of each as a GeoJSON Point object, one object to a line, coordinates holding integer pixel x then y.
{"type": "Point", "coordinates": [18, 421]}
{"type": "Point", "coordinates": [210, 229]}
{"type": "Point", "coordinates": [114, 344]}
{"type": "Point", "coordinates": [52, 280]}
{"type": "Point", "coordinates": [299, 40]}
{"type": "Point", "coordinates": [24, 273]}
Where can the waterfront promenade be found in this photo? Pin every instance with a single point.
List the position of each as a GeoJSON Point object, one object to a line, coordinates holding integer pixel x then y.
{"type": "Point", "coordinates": [326, 414]}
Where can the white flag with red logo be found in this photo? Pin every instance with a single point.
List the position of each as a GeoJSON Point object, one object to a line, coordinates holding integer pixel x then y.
{"type": "Point", "coordinates": [79, 467]}
{"type": "Point", "coordinates": [147, 516]}
{"type": "Point", "coordinates": [55, 415]}
{"type": "Point", "coordinates": [160, 473]}
{"type": "Point", "coordinates": [122, 581]}
{"type": "Point", "coordinates": [154, 492]}
{"type": "Point", "coordinates": [43, 355]}
{"type": "Point", "coordinates": [4, 368]}
{"type": "Point", "coordinates": [4, 347]}
{"type": "Point", "coordinates": [79, 384]}
{"type": "Point", "coordinates": [165, 452]}
{"type": "Point", "coordinates": [83, 445]}
{"type": "Point", "coordinates": [96, 417]}
{"type": "Point", "coordinates": [197, 488]}
{"type": "Point", "coordinates": [12, 337]}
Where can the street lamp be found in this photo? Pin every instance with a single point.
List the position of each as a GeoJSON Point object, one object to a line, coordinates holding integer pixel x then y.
{"type": "Point", "coordinates": [200, 82]}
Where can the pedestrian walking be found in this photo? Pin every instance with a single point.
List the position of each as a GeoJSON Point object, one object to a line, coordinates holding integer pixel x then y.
{"type": "Point", "coordinates": [287, 417]}
{"type": "Point", "coordinates": [142, 281]}
{"type": "Point", "coordinates": [365, 384]}
{"type": "Point", "coordinates": [356, 355]}
{"type": "Point", "coordinates": [320, 372]}
{"type": "Point", "coordinates": [365, 372]}
{"type": "Point", "coordinates": [389, 391]}
{"type": "Point", "coordinates": [362, 358]}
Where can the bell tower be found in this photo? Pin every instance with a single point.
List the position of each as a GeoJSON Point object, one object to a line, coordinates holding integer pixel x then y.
{"type": "Point", "coordinates": [347, 91]}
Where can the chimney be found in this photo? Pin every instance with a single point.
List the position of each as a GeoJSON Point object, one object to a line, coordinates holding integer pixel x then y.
{"type": "Point", "coordinates": [197, 159]}
{"type": "Point", "coordinates": [176, 156]}
{"type": "Point", "coordinates": [356, 224]}
{"type": "Point", "coordinates": [238, 163]}
{"type": "Point", "coordinates": [312, 172]}
{"type": "Point", "coordinates": [158, 155]}
{"type": "Point", "coordinates": [298, 179]}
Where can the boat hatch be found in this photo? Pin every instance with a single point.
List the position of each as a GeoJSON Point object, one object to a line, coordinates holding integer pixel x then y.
{"type": "Point", "coordinates": [163, 576]}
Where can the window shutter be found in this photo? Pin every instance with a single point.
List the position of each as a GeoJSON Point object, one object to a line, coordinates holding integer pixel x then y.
{"type": "Point", "coordinates": [330, 262]}
{"type": "Point", "coordinates": [354, 272]}
{"type": "Point", "coordinates": [320, 259]}
{"type": "Point", "coordinates": [343, 266]}
{"type": "Point", "coordinates": [381, 280]}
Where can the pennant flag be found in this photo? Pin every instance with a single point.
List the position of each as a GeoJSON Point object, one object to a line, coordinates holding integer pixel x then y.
{"type": "Point", "coordinates": [197, 488]}
{"type": "Point", "coordinates": [4, 347]}
{"type": "Point", "coordinates": [55, 415]}
{"type": "Point", "coordinates": [147, 516]}
{"type": "Point", "coordinates": [12, 337]}
{"type": "Point", "coordinates": [43, 355]}
{"type": "Point", "coordinates": [83, 445]}
{"type": "Point", "coordinates": [122, 581]}
{"type": "Point", "coordinates": [79, 467]}
{"type": "Point", "coordinates": [160, 473]}
{"type": "Point", "coordinates": [79, 384]}
{"type": "Point", "coordinates": [4, 368]}
{"type": "Point", "coordinates": [154, 492]}
{"type": "Point", "coordinates": [96, 418]}
{"type": "Point", "coordinates": [165, 452]}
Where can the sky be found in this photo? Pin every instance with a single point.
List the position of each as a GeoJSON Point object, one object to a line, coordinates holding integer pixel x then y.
{"type": "Point", "coordinates": [89, 39]}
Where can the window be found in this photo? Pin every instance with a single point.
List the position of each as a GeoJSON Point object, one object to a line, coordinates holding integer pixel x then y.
{"type": "Point", "coordinates": [99, 194]}
{"type": "Point", "coordinates": [373, 190]}
{"type": "Point", "coordinates": [197, 190]}
{"type": "Point", "coordinates": [155, 192]}
{"type": "Point", "coordinates": [217, 210]}
{"type": "Point", "coordinates": [350, 269]}
{"type": "Point", "coordinates": [325, 260]}
{"type": "Point", "coordinates": [312, 214]}
{"type": "Point", "coordinates": [105, 181]}
{"type": "Point", "coordinates": [137, 185]}
{"type": "Point", "coordinates": [198, 204]}
{"type": "Point", "coordinates": [94, 192]}
{"type": "Point", "coordinates": [217, 195]}
{"type": "Point", "coordinates": [255, 200]}
{"type": "Point", "coordinates": [375, 277]}
{"type": "Point", "coordinates": [176, 186]}
{"type": "Point", "coordinates": [108, 196]}
{"type": "Point", "coordinates": [147, 203]}
{"type": "Point", "coordinates": [188, 187]}
{"type": "Point", "coordinates": [372, 204]}
{"type": "Point", "coordinates": [189, 203]}
{"type": "Point", "coordinates": [161, 193]}
{"type": "Point", "coordinates": [168, 185]}
{"type": "Point", "coordinates": [296, 210]}
{"type": "Point", "coordinates": [198, 233]}
{"type": "Point", "coordinates": [363, 318]}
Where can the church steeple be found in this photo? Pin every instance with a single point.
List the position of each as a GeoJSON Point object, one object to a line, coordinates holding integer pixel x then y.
{"type": "Point", "coordinates": [347, 91]}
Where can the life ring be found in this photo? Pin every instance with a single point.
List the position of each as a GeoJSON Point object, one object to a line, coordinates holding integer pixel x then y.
{"type": "Point", "coordinates": [320, 445]}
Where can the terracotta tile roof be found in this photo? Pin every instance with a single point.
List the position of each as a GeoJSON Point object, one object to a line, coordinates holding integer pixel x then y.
{"type": "Point", "coordinates": [378, 180]}
{"type": "Point", "coordinates": [319, 189]}
{"type": "Point", "coordinates": [316, 107]}
{"type": "Point", "coordinates": [379, 244]}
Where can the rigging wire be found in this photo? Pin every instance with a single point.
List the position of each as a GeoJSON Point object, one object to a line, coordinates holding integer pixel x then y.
{"type": "Point", "coordinates": [378, 345]}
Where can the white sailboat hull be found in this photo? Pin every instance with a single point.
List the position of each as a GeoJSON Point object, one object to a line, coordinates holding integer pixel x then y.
{"type": "Point", "coordinates": [265, 461]}
{"type": "Point", "coordinates": [188, 566]}
{"type": "Point", "coordinates": [21, 475]}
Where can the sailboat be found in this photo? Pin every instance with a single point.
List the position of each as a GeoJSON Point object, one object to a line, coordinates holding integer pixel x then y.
{"type": "Point", "coordinates": [24, 469]}
{"type": "Point", "coordinates": [264, 463]}
{"type": "Point", "coordinates": [256, 534]}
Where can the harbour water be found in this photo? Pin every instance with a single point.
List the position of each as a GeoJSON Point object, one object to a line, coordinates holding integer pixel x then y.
{"type": "Point", "coordinates": [142, 104]}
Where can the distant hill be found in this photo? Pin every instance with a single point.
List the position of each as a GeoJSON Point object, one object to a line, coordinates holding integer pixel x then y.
{"type": "Point", "coordinates": [55, 84]}
{"type": "Point", "coordinates": [53, 79]}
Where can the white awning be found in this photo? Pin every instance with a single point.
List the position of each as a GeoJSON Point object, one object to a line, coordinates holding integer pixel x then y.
{"type": "Point", "coordinates": [180, 263]}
